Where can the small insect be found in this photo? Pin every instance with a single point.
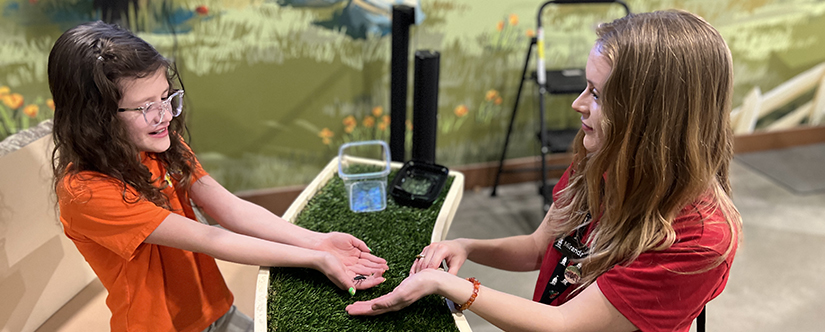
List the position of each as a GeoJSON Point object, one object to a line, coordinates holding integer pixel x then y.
{"type": "Point", "coordinates": [359, 279]}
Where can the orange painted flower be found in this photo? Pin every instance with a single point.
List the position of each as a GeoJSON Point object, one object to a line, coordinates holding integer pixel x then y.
{"type": "Point", "coordinates": [349, 129]}
{"type": "Point", "coordinates": [369, 121]}
{"type": "Point", "coordinates": [500, 25]}
{"type": "Point", "coordinates": [349, 121]}
{"type": "Point", "coordinates": [530, 33]}
{"type": "Point", "coordinates": [202, 10]}
{"type": "Point", "coordinates": [4, 90]}
{"type": "Point", "coordinates": [491, 94]}
{"type": "Point", "coordinates": [31, 110]}
{"type": "Point", "coordinates": [513, 18]}
{"type": "Point", "coordinates": [385, 119]}
{"type": "Point", "coordinates": [377, 111]}
{"type": "Point", "coordinates": [50, 103]}
{"type": "Point", "coordinates": [325, 136]}
{"type": "Point", "coordinates": [460, 110]}
{"type": "Point", "coordinates": [409, 124]}
{"type": "Point", "coordinates": [13, 101]}
{"type": "Point", "coordinates": [498, 101]}
{"type": "Point", "coordinates": [382, 126]}
{"type": "Point", "coordinates": [326, 133]}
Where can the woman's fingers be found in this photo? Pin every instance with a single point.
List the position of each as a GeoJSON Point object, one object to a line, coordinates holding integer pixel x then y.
{"type": "Point", "coordinates": [374, 307]}
{"type": "Point", "coordinates": [362, 308]}
{"type": "Point", "coordinates": [430, 257]}
{"type": "Point", "coordinates": [454, 266]}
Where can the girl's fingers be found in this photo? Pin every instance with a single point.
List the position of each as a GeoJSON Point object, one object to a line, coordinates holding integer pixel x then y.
{"type": "Point", "coordinates": [372, 265]}
{"type": "Point", "coordinates": [369, 282]}
{"type": "Point", "coordinates": [356, 242]}
{"type": "Point", "coordinates": [372, 258]}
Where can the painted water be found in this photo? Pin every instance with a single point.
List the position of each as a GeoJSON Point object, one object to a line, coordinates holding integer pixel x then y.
{"type": "Point", "coordinates": [273, 88]}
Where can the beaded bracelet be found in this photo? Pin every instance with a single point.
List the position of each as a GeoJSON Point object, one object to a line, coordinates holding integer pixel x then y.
{"type": "Point", "coordinates": [469, 302]}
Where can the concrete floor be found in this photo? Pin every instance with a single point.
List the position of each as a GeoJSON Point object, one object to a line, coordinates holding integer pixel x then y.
{"type": "Point", "coordinates": [775, 281]}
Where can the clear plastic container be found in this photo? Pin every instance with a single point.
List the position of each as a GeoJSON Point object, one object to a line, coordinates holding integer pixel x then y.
{"type": "Point", "coordinates": [364, 167]}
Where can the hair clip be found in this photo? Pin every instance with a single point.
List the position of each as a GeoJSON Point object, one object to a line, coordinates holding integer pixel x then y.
{"type": "Point", "coordinates": [100, 57]}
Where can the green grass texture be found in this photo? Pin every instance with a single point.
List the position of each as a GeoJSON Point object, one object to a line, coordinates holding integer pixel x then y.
{"type": "Point", "coordinates": [305, 300]}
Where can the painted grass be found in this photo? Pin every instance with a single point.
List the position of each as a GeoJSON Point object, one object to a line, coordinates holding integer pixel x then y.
{"type": "Point", "coordinates": [304, 300]}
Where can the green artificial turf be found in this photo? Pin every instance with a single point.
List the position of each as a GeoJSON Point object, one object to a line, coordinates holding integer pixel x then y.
{"type": "Point", "coordinates": [305, 300]}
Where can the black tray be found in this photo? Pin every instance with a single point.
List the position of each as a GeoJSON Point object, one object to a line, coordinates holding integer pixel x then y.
{"type": "Point", "coordinates": [418, 184]}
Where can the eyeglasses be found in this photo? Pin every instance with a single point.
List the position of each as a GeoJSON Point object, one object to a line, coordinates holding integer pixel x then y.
{"type": "Point", "coordinates": [153, 112]}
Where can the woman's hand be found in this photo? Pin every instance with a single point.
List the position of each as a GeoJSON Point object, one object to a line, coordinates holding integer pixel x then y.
{"type": "Point", "coordinates": [351, 264]}
{"type": "Point", "coordinates": [410, 290]}
{"type": "Point", "coordinates": [453, 251]}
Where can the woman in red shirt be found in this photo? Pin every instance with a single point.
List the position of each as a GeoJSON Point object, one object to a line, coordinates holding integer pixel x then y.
{"type": "Point", "coordinates": [124, 179]}
{"type": "Point", "coordinates": [642, 231]}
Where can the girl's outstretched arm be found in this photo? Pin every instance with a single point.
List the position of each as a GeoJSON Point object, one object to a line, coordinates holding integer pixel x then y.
{"type": "Point", "coordinates": [244, 217]}
{"type": "Point", "coordinates": [183, 233]}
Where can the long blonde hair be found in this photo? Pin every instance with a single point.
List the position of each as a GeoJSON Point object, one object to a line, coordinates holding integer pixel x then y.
{"type": "Point", "coordinates": [666, 139]}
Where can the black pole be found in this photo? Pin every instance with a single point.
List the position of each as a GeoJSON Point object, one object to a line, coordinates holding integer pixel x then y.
{"type": "Point", "coordinates": [425, 106]}
{"type": "Point", "coordinates": [402, 17]}
{"type": "Point", "coordinates": [513, 116]}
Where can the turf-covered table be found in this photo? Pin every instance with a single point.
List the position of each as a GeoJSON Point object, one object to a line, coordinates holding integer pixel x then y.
{"type": "Point", "coordinates": [292, 299]}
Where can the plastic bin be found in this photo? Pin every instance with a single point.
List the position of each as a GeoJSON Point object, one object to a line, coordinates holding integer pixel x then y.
{"type": "Point", "coordinates": [364, 167]}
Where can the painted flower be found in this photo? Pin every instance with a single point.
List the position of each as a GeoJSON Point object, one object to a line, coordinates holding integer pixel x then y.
{"type": "Point", "coordinates": [31, 110]}
{"type": "Point", "coordinates": [377, 111]}
{"type": "Point", "coordinates": [4, 90]}
{"type": "Point", "coordinates": [326, 133]}
{"type": "Point", "coordinates": [13, 101]}
{"type": "Point", "coordinates": [50, 103]}
{"type": "Point", "coordinates": [491, 94]}
{"type": "Point", "coordinates": [349, 129]}
{"type": "Point", "coordinates": [460, 110]}
{"type": "Point", "coordinates": [500, 25]}
{"type": "Point", "coordinates": [530, 33]}
{"type": "Point", "coordinates": [325, 136]}
{"type": "Point", "coordinates": [369, 121]}
{"type": "Point", "coordinates": [513, 19]}
{"type": "Point", "coordinates": [409, 124]}
{"type": "Point", "coordinates": [202, 10]}
{"type": "Point", "coordinates": [385, 119]}
{"type": "Point", "coordinates": [350, 121]}
{"type": "Point", "coordinates": [382, 126]}
{"type": "Point", "coordinates": [498, 100]}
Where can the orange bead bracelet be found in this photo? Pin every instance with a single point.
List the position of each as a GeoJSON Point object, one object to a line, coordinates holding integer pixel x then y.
{"type": "Point", "coordinates": [469, 302]}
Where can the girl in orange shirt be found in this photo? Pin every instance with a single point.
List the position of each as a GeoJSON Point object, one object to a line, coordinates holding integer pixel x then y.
{"type": "Point", "coordinates": [125, 178]}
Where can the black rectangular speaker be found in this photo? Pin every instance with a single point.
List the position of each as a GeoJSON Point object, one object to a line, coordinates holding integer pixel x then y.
{"type": "Point", "coordinates": [425, 106]}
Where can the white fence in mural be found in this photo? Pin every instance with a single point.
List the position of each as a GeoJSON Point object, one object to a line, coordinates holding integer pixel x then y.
{"type": "Point", "coordinates": [757, 105]}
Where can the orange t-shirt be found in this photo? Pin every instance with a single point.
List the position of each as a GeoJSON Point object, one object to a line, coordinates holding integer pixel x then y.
{"type": "Point", "coordinates": [151, 287]}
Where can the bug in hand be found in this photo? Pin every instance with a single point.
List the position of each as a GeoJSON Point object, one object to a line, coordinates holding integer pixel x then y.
{"type": "Point", "coordinates": [359, 279]}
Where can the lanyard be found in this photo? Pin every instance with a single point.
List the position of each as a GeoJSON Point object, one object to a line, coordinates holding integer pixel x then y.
{"type": "Point", "coordinates": [567, 272]}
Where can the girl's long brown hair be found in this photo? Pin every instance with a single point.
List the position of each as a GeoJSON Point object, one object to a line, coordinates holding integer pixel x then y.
{"type": "Point", "coordinates": [666, 139]}
{"type": "Point", "coordinates": [86, 65]}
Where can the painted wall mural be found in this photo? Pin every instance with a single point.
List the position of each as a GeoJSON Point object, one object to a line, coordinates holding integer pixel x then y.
{"type": "Point", "coordinates": [275, 86]}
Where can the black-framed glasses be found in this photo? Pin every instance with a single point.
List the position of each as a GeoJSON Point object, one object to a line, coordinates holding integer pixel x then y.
{"type": "Point", "coordinates": [153, 112]}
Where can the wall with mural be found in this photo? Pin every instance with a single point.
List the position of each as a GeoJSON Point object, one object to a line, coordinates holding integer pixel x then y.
{"type": "Point", "coordinates": [274, 87]}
